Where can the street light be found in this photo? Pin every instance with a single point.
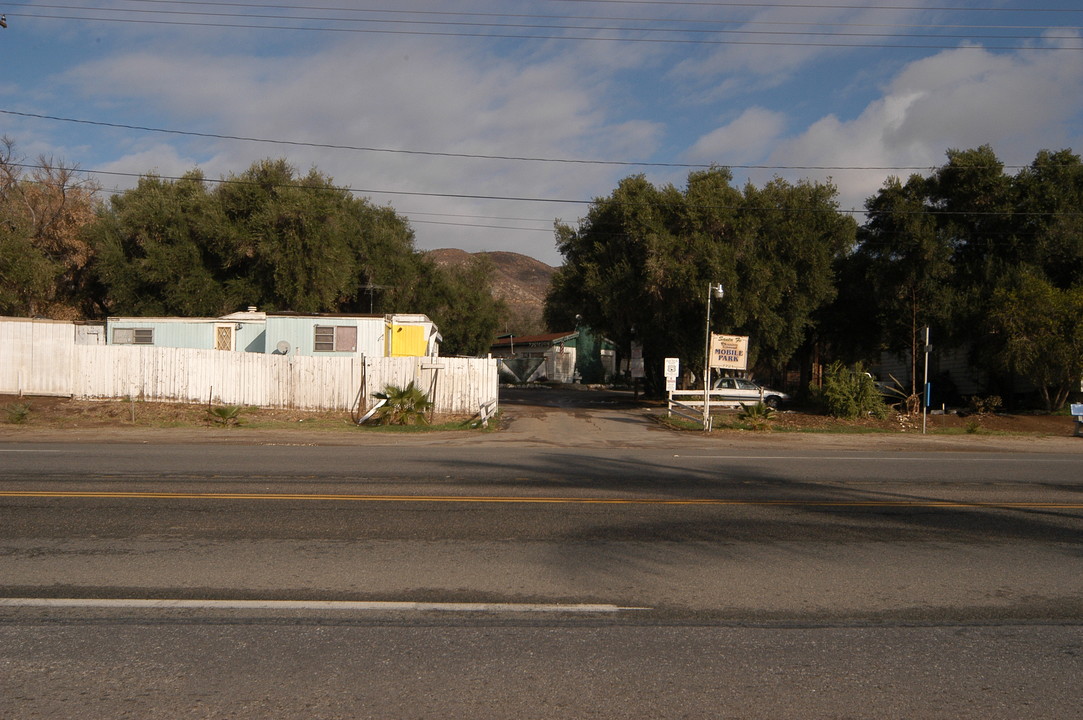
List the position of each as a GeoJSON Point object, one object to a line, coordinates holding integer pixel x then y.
{"type": "Point", "coordinates": [717, 292]}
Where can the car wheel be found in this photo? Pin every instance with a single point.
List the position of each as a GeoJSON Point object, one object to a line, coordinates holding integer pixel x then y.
{"type": "Point", "coordinates": [772, 401]}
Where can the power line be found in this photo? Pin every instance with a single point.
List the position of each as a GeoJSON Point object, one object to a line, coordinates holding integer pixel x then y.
{"type": "Point", "coordinates": [356, 191]}
{"type": "Point", "coordinates": [528, 26]}
{"type": "Point", "coordinates": [588, 38]}
{"type": "Point", "coordinates": [478, 217]}
{"type": "Point", "coordinates": [814, 6]}
{"type": "Point", "coordinates": [477, 225]}
{"type": "Point", "coordinates": [470, 156]}
{"type": "Point", "coordinates": [653, 20]}
{"type": "Point", "coordinates": [555, 201]}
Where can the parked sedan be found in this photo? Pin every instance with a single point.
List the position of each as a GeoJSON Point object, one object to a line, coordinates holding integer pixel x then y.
{"type": "Point", "coordinates": [735, 390]}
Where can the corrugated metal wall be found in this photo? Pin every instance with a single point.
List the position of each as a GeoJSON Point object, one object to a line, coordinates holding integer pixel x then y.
{"type": "Point", "coordinates": [36, 356]}
{"type": "Point", "coordinates": [41, 358]}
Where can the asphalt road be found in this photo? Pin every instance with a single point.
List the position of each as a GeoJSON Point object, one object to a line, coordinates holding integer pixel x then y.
{"type": "Point", "coordinates": [626, 572]}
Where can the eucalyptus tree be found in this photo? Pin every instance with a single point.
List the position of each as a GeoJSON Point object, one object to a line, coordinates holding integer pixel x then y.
{"type": "Point", "coordinates": [971, 197]}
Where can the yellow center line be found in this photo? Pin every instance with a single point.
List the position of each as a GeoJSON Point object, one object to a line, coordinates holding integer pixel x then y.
{"type": "Point", "coordinates": [535, 500]}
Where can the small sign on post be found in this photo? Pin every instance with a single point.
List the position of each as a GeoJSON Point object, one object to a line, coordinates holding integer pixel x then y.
{"type": "Point", "coordinates": [672, 372]}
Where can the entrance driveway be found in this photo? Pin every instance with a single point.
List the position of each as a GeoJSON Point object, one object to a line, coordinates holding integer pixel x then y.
{"type": "Point", "coordinates": [575, 417]}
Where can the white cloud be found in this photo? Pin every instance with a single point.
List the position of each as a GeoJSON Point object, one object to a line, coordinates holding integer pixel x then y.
{"type": "Point", "coordinates": [1018, 103]}
{"type": "Point", "coordinates": [774, 44]}
{"type": "Point", "coordinates": [745, 139]}
{"type": "Point", "coordinates": [406, 95]}
{"type": "Point", "coordinates": [628, 101]}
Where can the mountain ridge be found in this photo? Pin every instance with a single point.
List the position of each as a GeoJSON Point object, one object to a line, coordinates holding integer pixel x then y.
{"type": "Point", "coordinates": [519, 280]}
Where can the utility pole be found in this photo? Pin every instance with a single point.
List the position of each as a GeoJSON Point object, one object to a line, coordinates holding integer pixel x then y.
{"type": "Point", "coordinates": [925, 390]}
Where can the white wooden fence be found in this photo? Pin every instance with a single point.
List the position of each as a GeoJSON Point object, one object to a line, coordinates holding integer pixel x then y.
{"type": "Point", "coordinates": [42, 358]}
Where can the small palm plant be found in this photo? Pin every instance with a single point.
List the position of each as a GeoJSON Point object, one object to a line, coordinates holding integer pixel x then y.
{"type": "Point", "coordinates": [225, 414]}
{"type": "Point", "coordinates": [404, 405]}
{"type": "Point", "coordinates": [758, 416]}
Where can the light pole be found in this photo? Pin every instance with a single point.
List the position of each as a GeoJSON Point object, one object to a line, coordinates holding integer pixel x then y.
{"type": "Point", "coordinates": [716, 291]}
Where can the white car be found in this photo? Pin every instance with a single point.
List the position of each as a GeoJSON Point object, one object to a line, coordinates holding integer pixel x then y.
{"type": "Point", "coordinates": [738, 390]}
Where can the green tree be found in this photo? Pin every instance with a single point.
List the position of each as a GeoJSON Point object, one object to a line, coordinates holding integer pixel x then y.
{"type": "Point", "coordinates": [1042, 336]}
{"type": "Point", "coordinates": [908, 266]}
{"type": "Point", "coordinates": [162, 249]}
{"type": "Point", "coordinates": [639, 265]}
{"type": "Point", "coordinates": [284, 242]}
{"type": "Point", "coordinates": [292, 237]}
{"type": "Point", "coordinates": [793, 235]}
{"type": "Point", "coordinates": [628, 274]}
{"type": "Point", "coordinates": [1049, 216]}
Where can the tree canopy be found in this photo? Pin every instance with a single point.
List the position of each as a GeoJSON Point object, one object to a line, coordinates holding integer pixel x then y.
{"type": "Point", "coordinates": [43, 257]}
{"type": "Point", "coordinates": [965, 250]}
{"type": "Point", "coordinates": [991, 262]}
{"type": "Point", "coordinates": [639, 265]}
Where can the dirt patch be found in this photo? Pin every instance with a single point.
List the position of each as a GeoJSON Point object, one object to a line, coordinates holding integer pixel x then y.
{"type": "Point", "coordinates": [119, 420]}
{"type": "Point", "coordinates": [67, 414]}
{"type": "Point", "coordinates": [1023, 424]}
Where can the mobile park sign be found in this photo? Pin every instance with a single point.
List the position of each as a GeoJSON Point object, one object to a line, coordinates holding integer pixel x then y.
{"type": "Point", "coordinates": [729, 352]}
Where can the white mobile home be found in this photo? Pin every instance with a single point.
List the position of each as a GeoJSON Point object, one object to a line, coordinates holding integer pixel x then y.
{"type": "Point", "coordinates": [317, 335]}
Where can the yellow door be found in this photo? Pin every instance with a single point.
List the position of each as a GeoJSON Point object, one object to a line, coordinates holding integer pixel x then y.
{"type": "Point", "coordinates": [408, 341]}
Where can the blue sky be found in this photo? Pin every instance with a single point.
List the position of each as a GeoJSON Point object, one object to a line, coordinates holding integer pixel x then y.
{"type": "Point", "coordinates": [422, 99]}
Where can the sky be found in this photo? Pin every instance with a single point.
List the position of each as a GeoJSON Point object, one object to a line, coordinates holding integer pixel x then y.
{"type": "Point", "coordinates": [484, 121]}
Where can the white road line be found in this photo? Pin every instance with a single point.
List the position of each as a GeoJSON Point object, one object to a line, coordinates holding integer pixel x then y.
{"type": "Point", "coordinates": [332, 605]}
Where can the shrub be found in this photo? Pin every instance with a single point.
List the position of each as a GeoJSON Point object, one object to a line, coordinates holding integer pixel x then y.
{"type": "Point", "coordinates": [758, 416]}
{"type": "Point", "coordinates": [18, 413]}
{"type": "Point", "coordinates": [850, 392]}
{"type": "Point", "coordinates": [984, 405]}
{"type": "Point", "coordinates": [405, 406]}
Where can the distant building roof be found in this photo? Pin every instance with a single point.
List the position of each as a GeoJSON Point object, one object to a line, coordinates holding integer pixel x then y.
{"type": "Point", "coordinates": [546, 339]}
